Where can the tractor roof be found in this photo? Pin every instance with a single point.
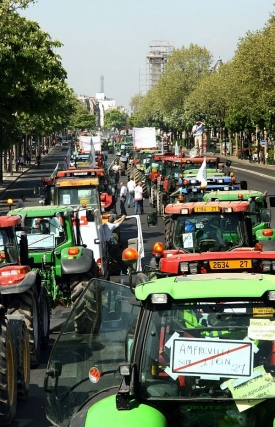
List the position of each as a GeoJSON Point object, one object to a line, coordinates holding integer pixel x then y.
{"type": "Point", "coordinates": [7, 221]}
{"type": "Point", "coordinates": [209, 286]}
{"type": "Point", "coordinates": [83, 173]}
{"type": "Point", "coordinates": [41, 210]}
{"type": "Point", "coordinates": [233, 195]}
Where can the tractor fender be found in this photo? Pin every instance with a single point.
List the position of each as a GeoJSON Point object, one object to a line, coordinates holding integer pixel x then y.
{"type": "Point", "coordinates": [78, 265]}
{"type": "Point", "coordinates": [104, 413]}
{"type": "Point", "coordinates": [31, 279]}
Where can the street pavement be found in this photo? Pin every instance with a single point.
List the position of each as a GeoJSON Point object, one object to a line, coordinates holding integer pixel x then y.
{"type": "Point", "coordinates": [10, 178]}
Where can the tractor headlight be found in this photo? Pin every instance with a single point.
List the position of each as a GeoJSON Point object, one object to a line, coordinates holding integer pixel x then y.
{"type": "Point", "coordinates": [184, 266]}
{"type": "Point", "coordinates": [266, 265]}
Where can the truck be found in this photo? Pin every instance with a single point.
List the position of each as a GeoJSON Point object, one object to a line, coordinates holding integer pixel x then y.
{"type": "Point", "coordinates": [193, 351]}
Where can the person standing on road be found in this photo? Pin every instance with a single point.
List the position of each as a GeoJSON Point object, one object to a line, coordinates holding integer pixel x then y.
{"type": "Point", "coordinates": [122, 198]}
{"type": "Point", "coordinates": [198, 135]}
{"type": "Point", "coordinates": [138, 198]}
{"type": "Point", "coordinates": [131, 185]}
{"type": "Point", "coordinates": [21, 201]}
{"type": "Point", "coordinates": [116, 168]}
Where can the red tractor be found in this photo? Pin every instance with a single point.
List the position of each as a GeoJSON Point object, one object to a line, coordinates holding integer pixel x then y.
{"type": "Point", "coordinates": [205, 236]}
{"type": "Point", "coordinates": [21, 289]}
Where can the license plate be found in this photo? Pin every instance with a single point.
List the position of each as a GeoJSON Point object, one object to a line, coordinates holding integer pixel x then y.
{"type": "Point", "coordinates": [240, 263]}
{"type": "Point", "coordinates": [263, 311]}
{"type": "Point", "coordinates": [206, 209]}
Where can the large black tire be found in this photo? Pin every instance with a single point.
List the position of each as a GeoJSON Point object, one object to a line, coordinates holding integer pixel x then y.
{"type": "Point", "coordinates": [153, 196]}
{"type": "Point", "coordinates": [80, 282]}
{"type": "Point", "coordinates": [168, 234]}
{"type": "Point", "coordinates": [8, 377]}
{"type": "Point", "coordinates": [88, 312]}
{"type": "Point", "coordinates": [44, 314]}
{"type": "Point", "coordinates": [27, 305]}
{"type": "Point", "coordinates": [23, 358]}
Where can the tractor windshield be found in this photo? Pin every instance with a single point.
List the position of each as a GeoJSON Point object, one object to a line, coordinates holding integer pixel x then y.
{"type": "Point", "coordinates": [8, 249]}
{"type": "Point", "coordinates": [89, 350]}
{"type": "Point", "coordinates": [77, 196]}
{"type": "Point", "coordinates": [207, 231]}
{"type": "Point", "coordinates": [43, 232]}
{"type": "Point", "coordinates": [210, 353]}
{"type": "Point", "coordinates": [196, 165]}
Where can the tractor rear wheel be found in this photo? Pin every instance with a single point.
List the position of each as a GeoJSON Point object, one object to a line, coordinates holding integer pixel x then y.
{"type": "Point", "coordinates": [27, 305]}
{"type": "Point", "coordinates": [8, 370]}
{"type": "Point", "coordinates": [23, 358]}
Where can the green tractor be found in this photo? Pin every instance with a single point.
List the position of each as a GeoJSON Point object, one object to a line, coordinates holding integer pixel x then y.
{"type": "Point", "coordinates": [56, 251]}
{"type": "Point", "coordinates": [262, 230]}
{"type": "Point", "coordinates": [195, 351]}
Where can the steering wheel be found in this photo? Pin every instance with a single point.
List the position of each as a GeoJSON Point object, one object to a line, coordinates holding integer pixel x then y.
{"type": "Point", "coordinates": [206, 244]}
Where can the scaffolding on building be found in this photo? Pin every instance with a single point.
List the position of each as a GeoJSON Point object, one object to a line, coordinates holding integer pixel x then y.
{"type": "Point", "coordinates": [156, 61]}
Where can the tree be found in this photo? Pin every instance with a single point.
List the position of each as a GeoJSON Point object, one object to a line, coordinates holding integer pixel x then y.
{"type": "Point", "coordinates": [82, 119]}
{"type": "Point", "coordinates": [135, 101]}
{"type": "Point", "coordinates": [114, 119]}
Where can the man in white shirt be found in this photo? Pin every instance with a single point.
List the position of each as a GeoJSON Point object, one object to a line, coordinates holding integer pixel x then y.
{"type": "Point", "coordinates": [122, 198]}
{"type": "Point", "coordinates": [198, 135]}
{"type": "Point", "coordinates": [138, 198]}
{"type": "Point", "coordinates": [110, 226]}
{"type": "Point", "coordinates": [131, 185]}
{"type": "Point", "coordinates": [116, 168]}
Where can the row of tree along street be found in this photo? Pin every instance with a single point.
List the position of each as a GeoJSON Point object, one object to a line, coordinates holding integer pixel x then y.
{"type": "Point", "coordinates": [238, 97]}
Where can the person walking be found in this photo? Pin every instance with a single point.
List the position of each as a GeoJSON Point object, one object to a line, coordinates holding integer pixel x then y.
{"type": "Point", "coordinates": [122, 198]}
{"type": "Point", "coordinates": [116, 168]}
{"type": "Point", "coordinates": [198, 135]}
{"type": "Point", "coordinates": [21, 162]}
{"type": "Point", "coordinates": [138, 198]}
{"type": "Point", "coordinates": [131, 185]}
{"type": "Point", "coordinates": [21, 201]}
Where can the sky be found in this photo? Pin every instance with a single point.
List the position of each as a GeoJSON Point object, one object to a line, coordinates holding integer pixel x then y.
{"type": "Point", "coordinates": [111, 38]}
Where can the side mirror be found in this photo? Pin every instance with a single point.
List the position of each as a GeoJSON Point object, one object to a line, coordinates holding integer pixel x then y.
{"type": "Point", "coordinates": [90, 215]}
{"type": "Point", "coordinates": [266, 216]}
{"type": "Point", "coordinates": [243, 185]}
{"type": "Point", "coordinates": [152, 219]}
{"type": "Point", "coordinates": [272, 201]}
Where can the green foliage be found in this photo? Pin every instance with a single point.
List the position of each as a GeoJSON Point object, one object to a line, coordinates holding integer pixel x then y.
{"type": "Point", "coordinates": [82, 119]}
{"type": "Point", "coordinates": [35, 97]}
{"type": "Point", "coordinates": [114, 119]}
{"type": "Point", "coordinates": [239, 96]}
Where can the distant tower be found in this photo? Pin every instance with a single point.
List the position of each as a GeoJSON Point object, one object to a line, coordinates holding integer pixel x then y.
{"type": "Point", "coordinates": [102, 83]}
{"type": "Point", "coordinates": [156, 60]}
